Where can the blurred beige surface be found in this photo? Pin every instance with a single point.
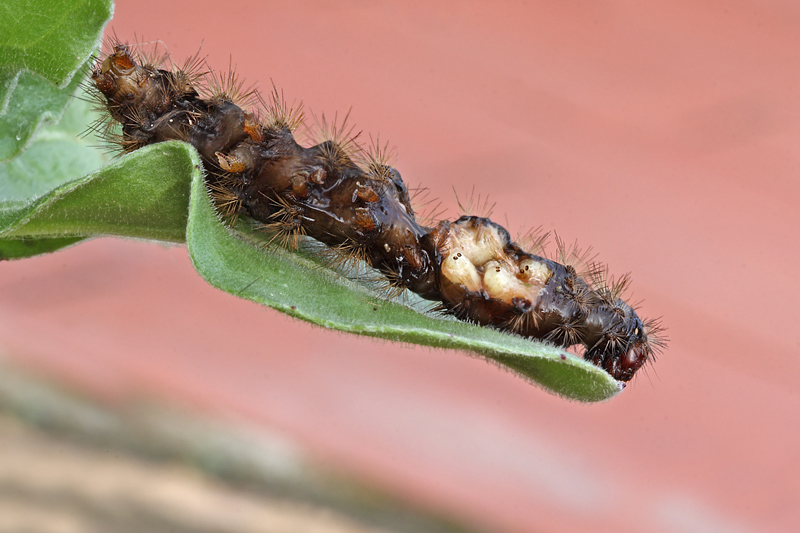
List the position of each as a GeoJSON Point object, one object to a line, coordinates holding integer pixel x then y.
{"type": "Point", "coordinates": [49, 485]}
{"type": "Point", "coordinates": [68, 463]}
{"type": "Point", "coordinates": [664, 135]}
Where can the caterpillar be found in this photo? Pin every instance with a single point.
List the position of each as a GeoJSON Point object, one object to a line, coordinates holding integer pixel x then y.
{"type": "Point", "coordinates": [359, 206]}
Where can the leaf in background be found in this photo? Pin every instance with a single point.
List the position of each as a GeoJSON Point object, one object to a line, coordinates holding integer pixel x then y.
{"type": "Point", "coordinates": [58, 154]}
{"type": "Point", "coordinates": [42, 44]}
{"type": "Point", "coordinates": [51, 37]}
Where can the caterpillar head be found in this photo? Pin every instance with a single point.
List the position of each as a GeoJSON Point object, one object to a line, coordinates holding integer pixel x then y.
{"type": "Point", "coordinates": [626, 347]}
{"type": "Point", "coordinates": [623, 366]}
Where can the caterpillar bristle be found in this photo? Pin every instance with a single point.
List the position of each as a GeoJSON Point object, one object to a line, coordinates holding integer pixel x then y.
{"type": "Point", "coordinates": [284, 225]}
{"type": "Point", "coordinates": [183, 82]}
{"type": "Point", "coordinates": [357, 206]}
{"type": "Point", "coordinates": [524, 321]}
{"type": "Point", "coordinates": [194, 68]}
{"type": "Point", "coordinates": [229, 86]}
{"type": "Point", "coordinates": [566, 334]}
{"type": "Point", "coordinates": [226, 203]}
{"type": "Point", "coordinates": [351, 259]}
{"type": "Point", "coordinates": [153, 54]}
{"type": "Point", "coordinates": [279, 114]}
{"type": "Point", "coordinates": [90, 95]}
{"type": "Point", "coordinates": [427, 208]}
{"type": "Point", "coordinates": [113, 141]}
{"type": "Point", "coordinates": [533, 239]}
{"type": "Point", "coordinates": [110, 42]}
{"type": "Point", "coordinates": [391, 287]}
{"type": "Point", "coordinates": [389, 284]}
{"type": "Point", "coordinates": [337, 140]}
{"type": "Point", "coordinates": [654, 329]}
{"type": "Point", "coordinates": [610, 289]}
{"type": "Point", "coordinates": [439, 309]}
{"type": "Point", "coordinates": [376, 159]}
{"type": "Point", "coordinates": [105, 128]}
{"type": "Point", "coordinates": [584, 298]}
{"type": "Point", "coordinates": [104, 125]}
{"type": "Point", "coordinates": [582, 260]}
{"type": "Point", "coordinates": [477, 205]}
{"type": "Point", "coordinates": [224, 191]}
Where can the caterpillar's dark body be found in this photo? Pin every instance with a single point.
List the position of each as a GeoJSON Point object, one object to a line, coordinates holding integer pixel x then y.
{"type": "Point", "coordinates": [471, 265]}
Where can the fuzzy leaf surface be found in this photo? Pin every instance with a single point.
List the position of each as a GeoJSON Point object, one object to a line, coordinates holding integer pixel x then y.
{"type": "Point", "coordinates": [43, 44]}
{"type": "Point", "coordinates": [144, 195]}
{"type": "Point", "coordinates": [51, 37]}
{"type": "Point", "coordinates": [58, 154]}
{"type": "Point", "coordinates": [298, 285]}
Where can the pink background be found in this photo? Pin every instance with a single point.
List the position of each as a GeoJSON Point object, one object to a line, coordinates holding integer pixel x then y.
{"type": "Point", "coordinates": [666, 137]}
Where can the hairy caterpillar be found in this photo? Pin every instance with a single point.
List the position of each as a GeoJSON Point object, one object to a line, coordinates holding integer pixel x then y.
{"type": "Point", "coordinates": [360, 207]}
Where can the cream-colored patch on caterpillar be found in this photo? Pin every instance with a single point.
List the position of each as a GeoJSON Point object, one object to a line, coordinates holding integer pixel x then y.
{"type": "Point", "coordinates": [487, 245]}
{"type": "Point", "coordinates": [479, 245]}
{"type": "Point", "coordinates": [504, 280]}
{"type": "Point", "coordinates": [459, 270]}
{"type": "Point", "coordinates": [501, 283]}
{"type": "Point", "coordinates": [476, 259]}
{"type": "Point", "coordinates": [534, 272]}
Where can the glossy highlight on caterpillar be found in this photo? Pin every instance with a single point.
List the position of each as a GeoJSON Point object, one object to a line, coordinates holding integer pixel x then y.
{"type": "Point", "coordinates": [360, 207]}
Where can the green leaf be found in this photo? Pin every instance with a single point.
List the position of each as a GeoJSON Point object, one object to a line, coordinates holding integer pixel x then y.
{"type": "Point", "coordinates": [51, 37]}
{"type": "Point", "coordinates": [58, 154]}
{"type": "Point", "coordinates": [22, 248]}
{"type": "Point", "coordinates": [144, 195]}
{"type": "Point", "coordinates": [298, 285]}
{"type": "Point", "coordinates": [31, 101]}
{"type": "Point", "coordinates": [42, 45]}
